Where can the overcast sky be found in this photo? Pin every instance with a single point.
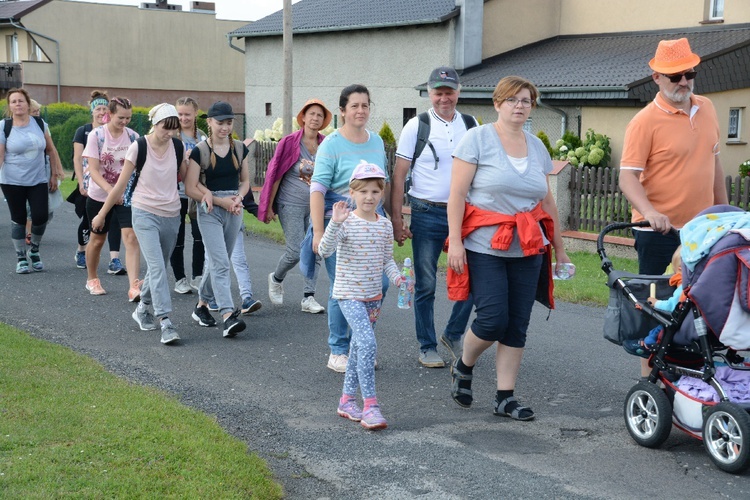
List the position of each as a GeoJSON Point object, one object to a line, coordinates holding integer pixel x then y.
{"type": "Point", "coordinates": [241, 10]}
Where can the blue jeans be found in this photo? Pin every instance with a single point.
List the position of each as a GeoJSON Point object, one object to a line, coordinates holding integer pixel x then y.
{"type": "Point", "coordinates": [429, 228]}
{"type": "Point", "coordinates": [338, 328]}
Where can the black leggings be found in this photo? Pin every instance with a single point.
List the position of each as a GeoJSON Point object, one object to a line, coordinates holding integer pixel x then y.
{"type": "Point", "coordinates": [38, 199]}
{"type": "Point", "coordinates": [84, 228]}
{"type": "Point", "coordinates": [177, 259]}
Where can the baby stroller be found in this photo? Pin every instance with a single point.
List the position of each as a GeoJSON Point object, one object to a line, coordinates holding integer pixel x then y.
{"type": "Point", "coordinates": [699, 341]}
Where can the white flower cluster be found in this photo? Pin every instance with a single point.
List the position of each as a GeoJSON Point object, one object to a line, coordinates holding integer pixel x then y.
{"type": "Point", "coordinates": [275, 132]}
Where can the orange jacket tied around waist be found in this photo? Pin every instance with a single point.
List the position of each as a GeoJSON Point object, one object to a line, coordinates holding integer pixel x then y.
{"type": "Point", "coordinates": [529, 226]}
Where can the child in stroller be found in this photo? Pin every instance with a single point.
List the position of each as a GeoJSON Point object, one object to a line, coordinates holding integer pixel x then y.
{"type": "Point", "coordinates": [700, 338]}
{"type": "Point", "coordinates": [643, 347]}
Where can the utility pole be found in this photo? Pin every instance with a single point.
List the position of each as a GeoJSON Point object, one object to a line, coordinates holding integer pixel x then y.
{"type": "Point", "coordinates": [287, 80]}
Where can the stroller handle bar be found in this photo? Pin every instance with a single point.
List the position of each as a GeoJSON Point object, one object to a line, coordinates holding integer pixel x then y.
{"type": "Point", "coordinates": [606, 263]}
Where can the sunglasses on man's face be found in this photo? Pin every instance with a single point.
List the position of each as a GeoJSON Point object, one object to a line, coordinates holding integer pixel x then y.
{"type": "Point", "coordinates": [689, 75]}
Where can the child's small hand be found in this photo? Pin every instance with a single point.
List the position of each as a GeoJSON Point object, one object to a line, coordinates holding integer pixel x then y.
{"type": "Point", "coordinates": [400, 280]}
{"type": "Point", "coordinates": [651, 301]}
{"type": "Point", "coordinates": [340, 211]}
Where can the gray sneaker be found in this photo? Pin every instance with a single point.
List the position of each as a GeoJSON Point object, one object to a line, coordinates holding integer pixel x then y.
{"type": "Point", "coordinates": [431, 359]}
{"type": "Point", "coordinates": [455, 347]}
{"type": "Point", "coordinates": [169, 334]}
{"type": "Point", "coordinates": [145, 319]}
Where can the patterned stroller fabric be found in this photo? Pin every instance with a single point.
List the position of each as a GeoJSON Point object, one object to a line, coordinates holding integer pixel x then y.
{"type": "Point", "coordinates": [716, 274]}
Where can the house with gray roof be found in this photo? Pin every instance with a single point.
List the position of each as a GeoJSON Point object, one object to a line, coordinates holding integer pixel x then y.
{"type": "Point", "coordinates": [388, 45]}
{"type": "Point", "coordinates": [592, 70]}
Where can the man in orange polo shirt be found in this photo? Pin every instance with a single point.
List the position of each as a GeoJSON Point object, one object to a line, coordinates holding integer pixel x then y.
{"type": "Point", "coordinates": [670, 168]}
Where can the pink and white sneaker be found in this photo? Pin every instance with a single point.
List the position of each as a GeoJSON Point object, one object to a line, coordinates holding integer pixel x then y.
{"type": "Point", "coordinates": [350, 410]}
{"type": "Point", "coordinates": [372, 419]}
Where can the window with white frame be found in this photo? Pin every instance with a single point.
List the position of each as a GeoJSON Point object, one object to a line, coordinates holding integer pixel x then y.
{"type": "Point", "coordinates": [716, 10]}
{"type": "Point", "coordinates": [11, 43]}
{"type": "Point", "coordinates": [734, 132]}
{"type": "Point", "coordinates": [35, 51]}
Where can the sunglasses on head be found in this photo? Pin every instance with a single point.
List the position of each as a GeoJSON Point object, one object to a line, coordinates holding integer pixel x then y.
{"type": "Point", "coordinates": [677, 78]}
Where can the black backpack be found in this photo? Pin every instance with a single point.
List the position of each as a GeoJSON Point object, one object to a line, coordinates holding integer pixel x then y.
{"type": "Point", "coordinates": [9, 125]}
{"type": "Point", "coordinates": [179, 150]}
{"type": "Point", "coordinates": [423, 140]}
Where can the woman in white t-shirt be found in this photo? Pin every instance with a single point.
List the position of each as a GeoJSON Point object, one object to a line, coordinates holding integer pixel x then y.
{"type": "Point", "coordinates": [156, 213]}
{"type": "Point", "coordinates": [105, 151]}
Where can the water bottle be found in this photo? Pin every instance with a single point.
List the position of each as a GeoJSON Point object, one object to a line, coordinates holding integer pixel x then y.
{"type": "Point", "coordinates": [404, 295]}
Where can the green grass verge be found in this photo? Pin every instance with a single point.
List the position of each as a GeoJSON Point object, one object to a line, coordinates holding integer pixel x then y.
{"type": "Point", "coordinates": [70, 429]}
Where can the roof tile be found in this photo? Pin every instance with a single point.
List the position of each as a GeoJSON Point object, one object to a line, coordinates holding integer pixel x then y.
{"type": "Point", "coordinates": [326, 15]}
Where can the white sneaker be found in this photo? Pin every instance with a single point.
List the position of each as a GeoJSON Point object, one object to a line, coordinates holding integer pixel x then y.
{"type": "Point", "coordinates": [182, 286]}
{"type": "Point", "coordinates": [337, 362]}
{"type": "Point", "coordinates": [275, 291]}
{"type": "Point", "coordinates": [310, 305]}
{"type": "Point", "coordinates": [195, 283]}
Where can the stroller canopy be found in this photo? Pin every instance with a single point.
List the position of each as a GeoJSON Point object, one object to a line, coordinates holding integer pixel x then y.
{"type": "Point", "coordinates": [716, 270]}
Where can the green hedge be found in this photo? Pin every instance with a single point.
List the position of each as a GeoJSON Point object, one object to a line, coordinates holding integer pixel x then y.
{"type": "Point", "coordinates": [64, 119]}
{"type": "Point", "coordinates": [62, 135]}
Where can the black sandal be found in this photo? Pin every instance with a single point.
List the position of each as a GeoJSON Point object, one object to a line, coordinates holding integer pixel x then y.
{"type": "Point", "coordinates": [515, 411]}
{"type": "Point", "coordinates": [461, 395]}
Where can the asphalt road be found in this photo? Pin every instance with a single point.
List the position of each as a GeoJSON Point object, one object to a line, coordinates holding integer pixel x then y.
{"type": "Point", "coordinates": [270, 387]}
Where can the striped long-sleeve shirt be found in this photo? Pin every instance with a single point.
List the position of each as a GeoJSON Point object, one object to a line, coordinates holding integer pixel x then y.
{"type": "Point", "coordinates": [364, 250]}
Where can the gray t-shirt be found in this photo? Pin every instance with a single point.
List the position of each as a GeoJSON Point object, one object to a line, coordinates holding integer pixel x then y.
{"type": "Point", "coordinates": [24, 155]}
{"type": "Point", "coordinates": [292, 189]}
{"type": "Point", "coordinates": [498, 186]}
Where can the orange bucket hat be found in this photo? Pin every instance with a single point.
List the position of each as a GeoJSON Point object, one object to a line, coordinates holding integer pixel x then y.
{"type": "Point", "coordinates": [310, 102]}
{"type": "Point", "coordinates": [674, 56]}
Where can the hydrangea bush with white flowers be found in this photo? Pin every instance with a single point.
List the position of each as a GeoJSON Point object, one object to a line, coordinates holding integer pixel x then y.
{"type": "Point", "coordinates": [593, 151]}
{"type": "Point", "coordinates": [275, 132]}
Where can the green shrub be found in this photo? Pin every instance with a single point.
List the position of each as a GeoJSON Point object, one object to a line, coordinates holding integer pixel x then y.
{"type": "Point", "coordinates": [593, 151]}
{"type": "Point", "coordinates": [543, 137]}
{"type": "Point", "coordinates": [62, 135]}
{"type": "Point", "coordinates": [58, 113]}
{"type": "Point", "coordinates": [598, 149]}
{"type": "Point", "coordinates": [387, 135]}
{"type": "Point", "coordinates": [744, 168]}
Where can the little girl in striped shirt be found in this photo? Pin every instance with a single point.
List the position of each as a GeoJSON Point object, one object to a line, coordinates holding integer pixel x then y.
{"type": "Point", "coordinates": [363, 242]}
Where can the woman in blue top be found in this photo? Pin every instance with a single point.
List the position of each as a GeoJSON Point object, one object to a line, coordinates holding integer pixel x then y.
{"type": "Point", "coordinates": [337, 156]}
{"type": "Point", "coordinates": [23, 177]}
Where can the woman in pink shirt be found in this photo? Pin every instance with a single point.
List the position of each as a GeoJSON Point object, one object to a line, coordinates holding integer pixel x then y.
{"type": "Point", "coordinates": [105, 152]}
{"type": "Point", "coordinates": [156, 212]}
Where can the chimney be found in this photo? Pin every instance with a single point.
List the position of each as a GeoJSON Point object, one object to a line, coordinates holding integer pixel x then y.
{"type": "Point", "coordinates": [203, 7]}
{"type": "Point", "coordinates": [469, 33]}
{"type": "Point", "coordinates": [160, 5]}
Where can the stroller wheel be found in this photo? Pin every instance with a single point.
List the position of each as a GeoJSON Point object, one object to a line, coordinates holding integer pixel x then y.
{"type": "Point", "coordinates": [648, 415]}
{"type": "Point", "coordinates": [726, 430]}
